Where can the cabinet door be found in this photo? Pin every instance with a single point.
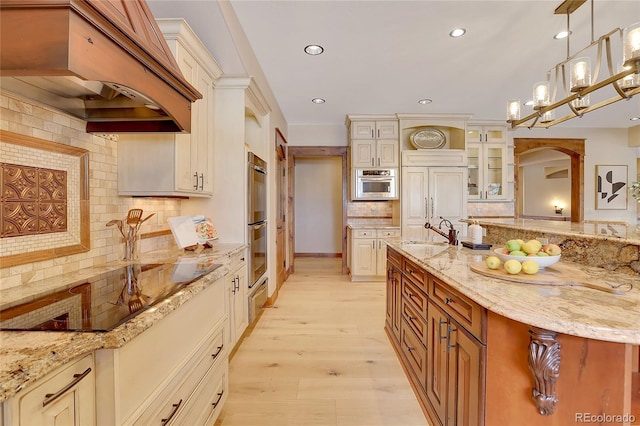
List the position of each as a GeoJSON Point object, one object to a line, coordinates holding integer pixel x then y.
{"type": "Point", "coordinates": [437, 361]}
{"type": "Point", "coordinates": [495, 171]}
{"type": "Point", "coordinates": [186, 154]}
{"type": "Point", "coordinates": [387, 129]}
{"type": "Point", "coordinates": [203, 110]}
{"type": "Point", "coordinates": [475, 182]}
{"type": "Point", "coordinates": [414, 202]}
{"type": "Point", "coordinates": [465, 373]}
{"type": "Point", "coordinates": [394, 311]}
{"type": "Point", "coordinates": [362, 153]}
{"type": "Point", "coordinates": [381, 257]}
{"type": "Point", "coordinates": [448, 195]}
{"type": "Point", "coordinates": [364, 256]}
{"type": "Point", "coordinates": [387, 153]}
{"type": "Point", "coordinates": [76, 406]}
{"type": "Point", "coordinates": [495, 133]}
{"type": "Point", "coordinates": [363, 129]}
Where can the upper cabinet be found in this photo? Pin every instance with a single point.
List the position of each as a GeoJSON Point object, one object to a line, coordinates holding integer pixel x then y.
{"type": "Point", "coordinates": [487, 162]}
{"type": "Point", "coordinates": [374, 142]}
{"type": "Point", "coordinates": [175, 164]}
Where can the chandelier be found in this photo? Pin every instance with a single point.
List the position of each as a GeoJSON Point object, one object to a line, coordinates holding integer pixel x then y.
{"type": "Point", "coordinates": [574, 79]}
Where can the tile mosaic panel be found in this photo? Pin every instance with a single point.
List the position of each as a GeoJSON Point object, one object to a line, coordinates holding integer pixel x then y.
{"type": "Point", "coordinates": [33, 200]}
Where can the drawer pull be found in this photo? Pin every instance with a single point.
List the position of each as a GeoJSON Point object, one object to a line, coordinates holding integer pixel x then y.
{"type": "Point", "coordinates": [215, 404]}
{"type": "Point", "coordinates": [448, 301]}
{"type": "Point", "coordinates": [214, 356]}
{"type": "Point", "coordinates": [409, 348]}
{"type": "Point", "coordinates": [410, 295]}
{"type": "Point", "coordinates": [411, 318]}
{"type": "Point", "coordinates": [166, 421]}
{"type": "Point", "coordinates": [50, 397]}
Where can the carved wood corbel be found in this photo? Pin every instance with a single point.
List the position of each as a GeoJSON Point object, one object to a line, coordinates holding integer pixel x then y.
{"type": "Point", "coordinates": [544, 363]}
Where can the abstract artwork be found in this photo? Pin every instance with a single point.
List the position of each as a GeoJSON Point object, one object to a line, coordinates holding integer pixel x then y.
{"type": "Point", "coordinates": [611, 187]}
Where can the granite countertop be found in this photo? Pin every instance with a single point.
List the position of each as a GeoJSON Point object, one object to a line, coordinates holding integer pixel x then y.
{"type": "Point", "coordinates": [617, 231]}
{"type": "Point", "coordinates": [27, 356]}
{"type": "Point", "coordinates": [577, 311]}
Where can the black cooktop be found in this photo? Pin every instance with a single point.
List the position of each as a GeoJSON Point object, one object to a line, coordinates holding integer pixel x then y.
{"type": "Point", "coordinates": [107, 300]}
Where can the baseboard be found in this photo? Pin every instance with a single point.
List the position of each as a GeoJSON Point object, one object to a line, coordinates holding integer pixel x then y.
{"type": "Point", "coordinates": [337, 255]}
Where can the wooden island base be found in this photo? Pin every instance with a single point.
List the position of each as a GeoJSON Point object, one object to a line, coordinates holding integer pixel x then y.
{"type": "Point", "coordinates": [594, 379]}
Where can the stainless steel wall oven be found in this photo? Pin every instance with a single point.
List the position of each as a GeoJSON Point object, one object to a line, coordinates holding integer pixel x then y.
{"type": "Point", "coordinates": [257, 218]}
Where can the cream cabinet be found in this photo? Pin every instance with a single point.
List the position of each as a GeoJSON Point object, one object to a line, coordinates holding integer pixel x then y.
{"type": "Point", "coordinates": [175, 369]}
{"type": "Point", "coordinates": [429, 193]}
{"type": "Point", "coordinates": [374, 143]}
{"type": "Point", "coordinates": [368, 250]}
{"type": "Point", "coordinates": [237, 298]}
{"type": "Point", "coordinates": [64, 397]}
{"type": "Point", "coordinates": [175, 164]}
{"type": "Point", "coordinates": [487, 162]}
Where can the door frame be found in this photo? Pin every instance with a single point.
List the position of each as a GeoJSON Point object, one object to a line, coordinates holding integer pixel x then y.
{"type": "Point", "coordinates": [315, 151]}
{"type": "Point", "coordinates": [574, 148]}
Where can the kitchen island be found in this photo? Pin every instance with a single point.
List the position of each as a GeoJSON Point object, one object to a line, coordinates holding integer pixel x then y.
{"type": "Point", "coordinates": [31, 357]}
{"type": "Point", "coordinates": [481, 350]}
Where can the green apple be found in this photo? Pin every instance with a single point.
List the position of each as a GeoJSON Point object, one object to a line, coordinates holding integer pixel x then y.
{"type": "Point", "coordinates": [492, 262]}
{"type": "Point", "coordinates": [512, 266]}
{"type": "Point", "coordinates": [512, 245]}
{"type": "Point", "coordinates": [518, 253]}
{"type": "Point", "coordinates": [542, 254]}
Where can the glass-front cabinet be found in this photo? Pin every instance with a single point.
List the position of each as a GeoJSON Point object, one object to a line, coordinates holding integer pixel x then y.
{"type": "Point", "coordinates": [487, 162]}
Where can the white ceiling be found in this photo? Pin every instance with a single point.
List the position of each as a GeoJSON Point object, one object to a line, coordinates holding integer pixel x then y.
{"type": "Point", "coordinates": [381, 57]}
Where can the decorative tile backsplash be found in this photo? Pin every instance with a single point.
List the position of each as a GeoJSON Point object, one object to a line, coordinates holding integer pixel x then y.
{"type": "Point", "coordinates": [33, 200]}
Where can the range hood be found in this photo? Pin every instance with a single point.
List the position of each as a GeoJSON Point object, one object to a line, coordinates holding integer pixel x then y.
{"type": "Point", "coordinates": [104, 61]}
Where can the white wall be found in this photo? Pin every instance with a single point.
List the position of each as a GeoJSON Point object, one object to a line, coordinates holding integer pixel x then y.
{"type": "Point", "coordinates": [539, 192]}
{"type": "Point", "coordinates": [315, 135]}
{"type": "Point", "coordinates": [602, 147]}
{"type": "Point", "coordinates": [318, 205]}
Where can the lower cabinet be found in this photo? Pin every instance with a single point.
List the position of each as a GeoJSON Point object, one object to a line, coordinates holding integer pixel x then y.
{"type": "Point", "coordinates": [174, 370]}
{"type": "Point", "coordinates": [369, 252]}
{"type": "Point", "coordinates": [236, 286]}
{"type": "Point", "coordinates": [64, 397]}
{"type": "Point", "coordinates": [444, 360]}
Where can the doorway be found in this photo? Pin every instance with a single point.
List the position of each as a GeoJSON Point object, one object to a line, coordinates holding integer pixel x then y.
{"type": "Point", "coordinates": [300, 153]}
{"type": "Point", "coordinates": [574, 148]}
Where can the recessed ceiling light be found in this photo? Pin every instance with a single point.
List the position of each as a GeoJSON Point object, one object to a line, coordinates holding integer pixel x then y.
{"type": "Point", "coordinates": [634, 118]}
{"type": "Point", "coordinates": [318, 100]}
{"type": "Point", "coordinates": [313, 49]}
{"type": "Point", "coordinates": [424, 101]}
{"type": "Point", "coordinates": [458, 32]}
{"type": "Point", "coordinates": [562, 34]}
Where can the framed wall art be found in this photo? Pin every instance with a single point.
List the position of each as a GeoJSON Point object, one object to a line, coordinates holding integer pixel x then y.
{"type": "Point", "coordinates": [611, 187]}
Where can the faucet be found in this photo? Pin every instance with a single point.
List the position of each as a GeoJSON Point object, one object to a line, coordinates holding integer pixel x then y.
{"type": "Point", "coordinates": [452, 235]}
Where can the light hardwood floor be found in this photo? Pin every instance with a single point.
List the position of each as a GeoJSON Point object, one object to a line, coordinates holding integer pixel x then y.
{"type": "Point", "coordinates": [321, 357]}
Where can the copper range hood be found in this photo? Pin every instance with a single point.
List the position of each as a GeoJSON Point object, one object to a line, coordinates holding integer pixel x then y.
{"type": "Point", "coordinates": [104, 61]}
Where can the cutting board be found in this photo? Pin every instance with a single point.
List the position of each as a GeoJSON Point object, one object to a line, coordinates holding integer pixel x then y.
{"type": "Point", "coordinates": [558, 274]}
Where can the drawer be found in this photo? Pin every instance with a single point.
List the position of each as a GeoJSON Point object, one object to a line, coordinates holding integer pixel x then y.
{"type": "Point", "coordinates": [465, 311]}
{"type": "Point", "coordinates": [417, 323]}
{"type": "Point", "coordinates": [388, 233]}
{"type": "Point", "coordinates": [174, 395]}
{"type": "Point", "coordinates": [394, 257]}
{"type": "Point", "coordinates": [415, 353]}
{"type": "Point", "coordinates": [416, 273]}
{"type": "Point", "coordinates": [415, 297]}
{"type": "Point", "coordinates": [238, 260]}
{"type": "Point", "coordinates": [208, 399]}
{"type": "Point", "coordinates": [364, 233]}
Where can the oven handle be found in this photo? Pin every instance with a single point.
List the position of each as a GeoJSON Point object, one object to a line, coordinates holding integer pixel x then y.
{"type": "Point", "coordinates": [375, 179]}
